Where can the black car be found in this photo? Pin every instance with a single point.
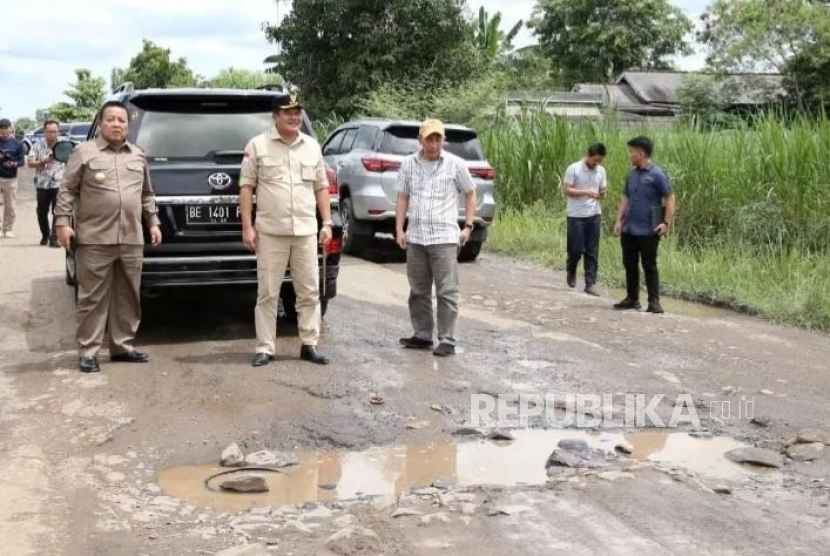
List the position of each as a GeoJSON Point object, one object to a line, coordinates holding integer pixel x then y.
{"type": "Point", "coordinates": [78, 131]}
{"type": "Point", "coordinates": [195, 140]}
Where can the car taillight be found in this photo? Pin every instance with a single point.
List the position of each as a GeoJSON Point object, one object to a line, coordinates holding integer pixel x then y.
{"type": "Point", "coordinates": [334, 188]}
{"type": "Point", "coordinates": [380, 165]}
{"type": "Point", "coordinates": [334, 246]}
{"type": "Point", "coordinates": [484, 173]}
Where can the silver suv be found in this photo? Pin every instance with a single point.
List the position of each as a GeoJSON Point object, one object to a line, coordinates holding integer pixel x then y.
{"type": "Point", "coordinates": [366, 155]}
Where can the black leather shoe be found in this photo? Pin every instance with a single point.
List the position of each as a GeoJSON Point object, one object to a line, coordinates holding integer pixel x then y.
{"type": "Point", "coordinates": [262, 359]}
{"type": "Point", "coordinates": [628, 305]}
{"type": "Point", "coordinates": [655, 307]}
{"type": "Point", "coordinates": [416, 343]}
{"type": "Point", "coordinates": [44, 240]}
{"type": "Point", "coordinates": [444, 350]}
{"type": "Point", "coordinates": [53, 243]}
{"type": "Point", "coordinates": [130, 357]}
{"type": "Point", "coordinates": [571, 279]}
{"type": "Point", "coordinates": [310, 354]}
{"type": "Point", "coordinates": [89, 365]}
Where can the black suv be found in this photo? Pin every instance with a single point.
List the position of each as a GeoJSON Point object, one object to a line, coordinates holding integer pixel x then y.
{"type": "Point", "coordinates": [195, 140]}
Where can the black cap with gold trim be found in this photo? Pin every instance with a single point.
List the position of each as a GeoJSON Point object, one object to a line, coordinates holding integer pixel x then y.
{"type": "Point", "coordinates": [287, 102]}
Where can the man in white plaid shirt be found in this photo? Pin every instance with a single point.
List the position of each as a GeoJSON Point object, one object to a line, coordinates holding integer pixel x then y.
{"type": "Point", "coordinates": [429, 184]}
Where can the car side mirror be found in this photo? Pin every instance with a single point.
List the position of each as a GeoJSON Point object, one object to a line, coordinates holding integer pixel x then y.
{"type": "Point", "coordinates": [62, 150]}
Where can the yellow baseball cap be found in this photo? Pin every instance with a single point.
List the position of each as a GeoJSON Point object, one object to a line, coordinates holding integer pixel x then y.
{"type": "Point", "coordinates": [431, 127]}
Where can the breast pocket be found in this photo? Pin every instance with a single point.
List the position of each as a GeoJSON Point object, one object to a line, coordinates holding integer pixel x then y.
{"type": "Point", "coordinates": [308, 170]}
{"type": "Point", "coordinates": [133, 175]}
{"type": "Point", "coordinates": [271, 169]}
{"type": "Point", "coordinates": [102, 174]}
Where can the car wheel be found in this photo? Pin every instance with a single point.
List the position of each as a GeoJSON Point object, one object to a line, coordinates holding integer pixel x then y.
{"type": "Point", "coordinates": [356, 237]}
{"type": "Point", "coordinates": [470, 252]}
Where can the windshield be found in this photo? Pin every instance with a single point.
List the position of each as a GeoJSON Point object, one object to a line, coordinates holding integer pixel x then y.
{"type": "Point", "coordinates": [403, 140]}
{"type": "Point", "coordinates": [79, 129]}
{"type": "Point", "coordinates": [176, 135]}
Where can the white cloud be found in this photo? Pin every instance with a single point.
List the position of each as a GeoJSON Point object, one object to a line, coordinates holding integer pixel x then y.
{"type": "Point", "coordinates": [37, 59]}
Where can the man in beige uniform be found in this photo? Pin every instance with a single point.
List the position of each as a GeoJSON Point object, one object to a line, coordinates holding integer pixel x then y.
{"type": "Point", "coordinates": [108, 180]}
{"type": "Point", "coordinates": [287, 170]}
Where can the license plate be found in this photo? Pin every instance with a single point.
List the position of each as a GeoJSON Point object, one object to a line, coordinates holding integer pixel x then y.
{"type": "Point", "coordinates": [213, 214]}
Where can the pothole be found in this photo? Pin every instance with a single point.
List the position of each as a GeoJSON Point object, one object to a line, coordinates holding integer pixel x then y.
{"type": "Point", "coordinates": [325, 476]}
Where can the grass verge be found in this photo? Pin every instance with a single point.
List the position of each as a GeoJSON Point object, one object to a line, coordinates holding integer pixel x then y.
{"type": "Point", "coordinates": [791, 287]}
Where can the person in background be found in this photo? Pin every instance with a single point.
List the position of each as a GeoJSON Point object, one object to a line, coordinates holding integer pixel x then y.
{"type": "Point", "coordinates": [429, 185]}
{"type": "Point", "coordinates": [48, 176]}
{"type": "Point", "coordinates": [585, 183]}
{"type": "Point", "coordinates": [645, 215]}
{"type": "Point", "coordinates": [12, 157]}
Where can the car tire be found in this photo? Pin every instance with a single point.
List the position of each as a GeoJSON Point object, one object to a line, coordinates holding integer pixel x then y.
{"type": "Point", "coordinates": [357, 236]}
{"type": "Point", "coordinates": [470, 252]}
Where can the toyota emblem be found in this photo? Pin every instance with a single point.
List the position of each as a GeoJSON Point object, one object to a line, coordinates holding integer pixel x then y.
{"type": "Point", "coordinates": [220, 180]}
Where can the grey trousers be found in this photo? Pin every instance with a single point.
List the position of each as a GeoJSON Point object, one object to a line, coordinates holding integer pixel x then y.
{"type": "Point", "coordinates": [425, 265]}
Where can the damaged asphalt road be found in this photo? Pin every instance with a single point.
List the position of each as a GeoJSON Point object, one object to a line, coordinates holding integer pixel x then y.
{"type": "Point", "coordinates": [110, 464]}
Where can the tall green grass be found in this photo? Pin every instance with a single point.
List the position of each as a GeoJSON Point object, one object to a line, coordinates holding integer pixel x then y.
{"type": "Point", "coordinates": [766, 183]}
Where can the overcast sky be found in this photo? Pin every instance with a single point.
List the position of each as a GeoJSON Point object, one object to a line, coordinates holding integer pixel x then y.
{"type": "Point", "coordinates": [44, 41]}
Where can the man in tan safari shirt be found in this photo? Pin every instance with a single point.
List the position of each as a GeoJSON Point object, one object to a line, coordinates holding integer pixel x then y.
{"type": "Point", "coordinates": [285, 168]}
{"type": "Point", "coordinates": [108, 180]}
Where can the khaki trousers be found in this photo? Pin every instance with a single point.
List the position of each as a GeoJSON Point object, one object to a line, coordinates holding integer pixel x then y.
{"type": "Point", "coordinates": [109, 300]}
{"type": "Point", "coordinates": [274, 253]}
{"type": "Point", "coordinates": [9, 191]}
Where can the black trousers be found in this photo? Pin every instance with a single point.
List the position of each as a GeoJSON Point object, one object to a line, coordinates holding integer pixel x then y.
{"type": "Point", "coordinates": [46, 201]}
{"type": "Point", "coordinates": [583, 241]}
{"type": "Point", "coordinates": [636, 249]}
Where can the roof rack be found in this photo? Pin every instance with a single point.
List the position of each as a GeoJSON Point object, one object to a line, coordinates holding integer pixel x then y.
{"type": "Point", "coordinates": [126, 87]}
{"type": "Point", "coordinates": [272, 87]}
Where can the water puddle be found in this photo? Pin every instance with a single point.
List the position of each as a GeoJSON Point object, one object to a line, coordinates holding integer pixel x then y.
{"type": "Point", "coordinates": [322, 476]}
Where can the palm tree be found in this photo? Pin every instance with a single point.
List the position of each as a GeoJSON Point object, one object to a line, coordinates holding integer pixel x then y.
{"type": "Point", "coordinates": [490, 39]}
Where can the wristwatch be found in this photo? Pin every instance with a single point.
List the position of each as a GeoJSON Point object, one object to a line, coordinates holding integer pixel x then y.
{"type": "Point", "coordinates": [327, 224]}
{"type": "Point", "coordinates": [469, 226]}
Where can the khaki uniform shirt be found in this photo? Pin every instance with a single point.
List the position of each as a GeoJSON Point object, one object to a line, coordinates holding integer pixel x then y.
{"type": "Point", "coordinates": [286, 178]}
{"type": "Point", "coordinates": [113, 193]}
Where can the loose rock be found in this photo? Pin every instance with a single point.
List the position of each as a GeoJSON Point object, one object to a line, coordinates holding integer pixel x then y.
{"type": "Point", "coordinates": [468, 431]}
{"type": "Point", "coordinates": [624, 448]}
{"type": "Point", "coordinates": [248, 484]}
{"type": "Point", "coordinates": [502, 436]}
{"type": "Point", "coordinates": [722, 489]}
{"type": "Point", "coordinates": [232, 456]}
{"type": "Point", "coordinates": [762, 421]}
{"type": "Point", "coordinates": [576, 453]}
{"type": "Point", "coordinates": [755, 456]}
{"type": "Point", "coordinates": [270, 459]}
{"type": "Point", "coordinates": [810, 436]}
{"type": "Point", "coordinates": [805, 452]}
